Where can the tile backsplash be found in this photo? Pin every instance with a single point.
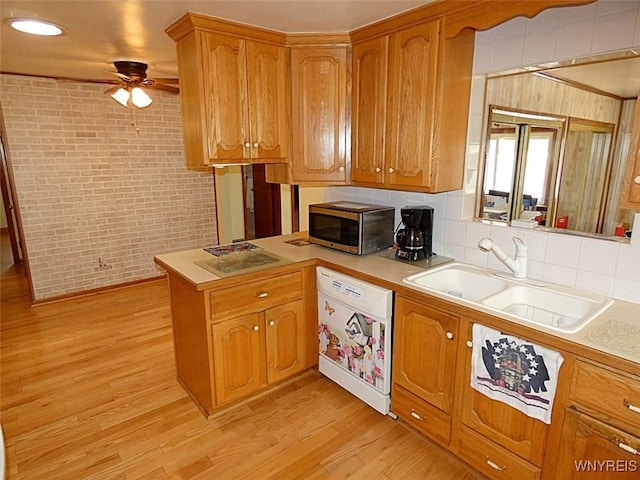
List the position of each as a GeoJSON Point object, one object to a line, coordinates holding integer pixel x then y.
{"type": "Point", "coordinates": [600, 266]}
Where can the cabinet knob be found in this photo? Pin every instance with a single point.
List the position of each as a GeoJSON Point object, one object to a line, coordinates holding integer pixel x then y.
{"type": "Point", "coordinates": [378, 169]}
{"type": "Point", "coordinates": [494, 465]}
{"type": "Point", "coordinates": [628, 448]}
{"type": "Point", "coordinates": [256, 328]}
{"type": "Point", "coordinates": [631, 407]}
{"type": "Point", "coordinates": [637, 180]}
{"type": "Point", "coordinates": [450, 335]}
{"type": "Point", "coordinates": [416, 415]}
{"type": "Point", "coordinates": [255, 145]}
{"type": "Point", "coordinates": [262, 294]}
{"type": "Point", "coordinates": [341, 169]}
{"type": "Point", "coordinates": [469, 344]}
{"type": "Point", "coordinates": [248, 145]}
{"type": "Point", "coordinates": [271, 323]}
{"type": "Point", "coordinates": [391, 170]}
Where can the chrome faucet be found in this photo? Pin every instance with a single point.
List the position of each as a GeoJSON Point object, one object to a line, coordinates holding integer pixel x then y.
{"type": "Point", "coordinates": [518, 264]}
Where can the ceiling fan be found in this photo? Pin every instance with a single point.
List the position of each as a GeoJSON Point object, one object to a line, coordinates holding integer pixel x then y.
{"type": "Point", "coordinates": [133, 78]}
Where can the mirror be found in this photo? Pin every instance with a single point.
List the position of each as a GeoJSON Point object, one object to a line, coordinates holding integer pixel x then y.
{"type": "Point", "coordinates": [557, 141]}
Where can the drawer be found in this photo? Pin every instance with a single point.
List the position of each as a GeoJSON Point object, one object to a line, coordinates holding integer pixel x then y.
{"type": "Point", "coordinates": [421, 415]}
{"type": "Point", "coordinates": [608, 395]}
{"type": "Point", "coordinates": [592, 449]}
{"type": "Point", "coordinates": [256, 296]}
{"type": "Point", "coordinates": [493, 460]}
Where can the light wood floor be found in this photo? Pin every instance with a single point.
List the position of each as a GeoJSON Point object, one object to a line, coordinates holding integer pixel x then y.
{"type": "Point", "coordinates": [89, 392]}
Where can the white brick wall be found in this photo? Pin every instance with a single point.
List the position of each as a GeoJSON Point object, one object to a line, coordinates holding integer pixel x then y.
{"type": "Point", "coordinates": [90, 187]}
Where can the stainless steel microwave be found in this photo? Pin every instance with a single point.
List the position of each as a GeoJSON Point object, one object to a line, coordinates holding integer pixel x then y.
{"type": "Point", "coordinates": [352, 227]}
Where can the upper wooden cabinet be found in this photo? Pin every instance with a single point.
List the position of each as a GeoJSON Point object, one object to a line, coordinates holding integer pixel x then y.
{"type": "Point", "coordinates": [318, 113]}
{"type": "Point", "coordinates": [410, 109]}
{"type": "Point", "coordinates": [233, 93]}
{"type": "Point", "coordinates": [319, 122]}
{"type": "Point", "coordinates": [405, 128]}
{"type": "Point", "coordinates": [369, 106]}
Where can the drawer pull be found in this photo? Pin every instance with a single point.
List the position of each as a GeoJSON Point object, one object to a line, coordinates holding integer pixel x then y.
{"type": "Point", "coordinates": [256, 328]}
{"type": "Point", "coordinates": [628, 448]}
{"type": "Point", "coordinates": [450, 335]}
{"type": "Point", "coordinates": [469, 344]}
{"type": "Point", "coordinates": [272, 323]}
{"type": "Point", "coordinates": [631, 407]}
{"type": "Point", "coordinates": [494, 465]}
{"type": "Point", "coordinates": [262, 295]}
{"type": "Point", "coordinates": [416, 415]}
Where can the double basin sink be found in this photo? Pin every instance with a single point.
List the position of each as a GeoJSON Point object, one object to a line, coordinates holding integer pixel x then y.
{"type": "Point", "coordinates": [552, 306]}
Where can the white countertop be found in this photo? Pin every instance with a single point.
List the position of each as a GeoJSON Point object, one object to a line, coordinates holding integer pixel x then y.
{"type": "Point", "coordinates": [616, 331]}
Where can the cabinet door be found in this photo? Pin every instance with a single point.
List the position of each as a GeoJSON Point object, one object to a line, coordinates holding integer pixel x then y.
{"type": "Point", "coordinates": [413, 63]}
{"type": "Point", "coordinates": [369, 111]}
{"type": "Point", "coordinates": [285, 340]}
{"type": "Point", "coordinates": [424, 352]}
{"type": "Point", "coordinates": [225, 94]}
{"type": "Point", "coordinates": [266, 81]}
{"type": "Point", "coordinates": [591, 449]}
{"type": "Point", "coordinates": [238, 357]}
{"type": "Point", "coordinates": [318, 117]}
{"type": "Point", "coordinates": [500, 422]}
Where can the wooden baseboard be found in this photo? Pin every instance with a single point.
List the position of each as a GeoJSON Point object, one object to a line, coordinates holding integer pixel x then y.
{"type": "Point", "coordinates": [97, 291]}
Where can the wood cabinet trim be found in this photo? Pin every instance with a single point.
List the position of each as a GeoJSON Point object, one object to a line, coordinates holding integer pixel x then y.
{"type": "Point", "coordinates": [485, 14]}
{"type": "Point", "coordinates": [195, 21]}
{"type": "Point", "coordinates": [476, 14]}
{"type": "Point", "coordinates": [318, 39]}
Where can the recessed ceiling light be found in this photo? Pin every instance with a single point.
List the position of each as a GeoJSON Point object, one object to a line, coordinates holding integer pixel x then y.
{"type": "Point", "coordinates": [36, 27]}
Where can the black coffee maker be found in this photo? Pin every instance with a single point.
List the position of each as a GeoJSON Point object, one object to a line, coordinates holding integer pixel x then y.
{"type": "Point", "coordinates": [414, 238]}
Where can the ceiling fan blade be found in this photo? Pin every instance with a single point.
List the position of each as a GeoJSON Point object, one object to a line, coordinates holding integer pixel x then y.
{"type": "Point", "coordinates": [164, 88]}
{"type": "Point", "coordinates": [112, 89]}
{"type": "Point", "coordinates": [167, 81]}
{"type": "Point", "coordinates": [123, 76]}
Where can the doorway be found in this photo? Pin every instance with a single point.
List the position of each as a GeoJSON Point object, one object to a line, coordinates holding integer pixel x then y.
{"type": "Point", "coordinates": [247, 207]}
{"type": "Point", "coordinates": [263, 217]}
{"type": "Point", "coordinates": [9, 216]}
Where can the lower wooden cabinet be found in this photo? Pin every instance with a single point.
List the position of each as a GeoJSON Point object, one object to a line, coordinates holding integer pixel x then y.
{"type": "Point", "coordinates": [591, 449]}
{"type": "Point", "coordinates": [243, 336]}
{"type": "Point", "coordinates": [285, 332]}
{"type": "Point", "coordinates": [499, 422]}
{"type": "Point", "coordinates": [607, 394]}
{"type": "Point", "coordinates": [238, 357]}
{"type": "Point", "coordinates": [424, 361]}
{"type": "Point", "coordinates": [600, 436]}
{"type": "Point", "coordinates": [493, 460]}
{"type": "Point", "coordinates": [421, 415]}
{"type": "Point", "coordinates": [424, 352]}
{"type": "Point", "coordinates": [255, 350]}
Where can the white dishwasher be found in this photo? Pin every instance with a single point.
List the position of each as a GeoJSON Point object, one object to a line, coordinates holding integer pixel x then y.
{"type": "Point", "coordinates": [354, 327]}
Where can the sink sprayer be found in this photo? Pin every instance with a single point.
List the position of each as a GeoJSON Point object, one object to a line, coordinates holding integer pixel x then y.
{"type": "Point", "coordinates": [518, 264]}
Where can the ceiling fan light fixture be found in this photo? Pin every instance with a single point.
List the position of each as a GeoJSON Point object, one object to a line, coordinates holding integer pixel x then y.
{"type": "Point", "coordinates": [139, 98]}
{"type": "Point", "coordinates": [121, 96]}
{"type": "Point", "coordinates": [36, 27]}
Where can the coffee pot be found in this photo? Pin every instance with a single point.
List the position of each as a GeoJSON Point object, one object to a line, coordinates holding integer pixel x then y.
{"type": "Point", "coordinates": [414, 238]}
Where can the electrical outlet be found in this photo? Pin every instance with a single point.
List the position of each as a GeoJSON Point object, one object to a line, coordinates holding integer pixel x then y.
{"type": "Point", "coordinates": [102, 265]}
